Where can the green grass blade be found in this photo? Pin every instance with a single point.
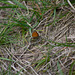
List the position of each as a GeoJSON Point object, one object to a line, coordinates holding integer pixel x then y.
{"type": "Point", "coordinates": [41, 62]}
{"type": "Point", "coordinates": [70, 71]}
{"type": "Point", "coordinates": [21, 23]}
{"type": "Point", "coordinates": [19, 4]}
{"type": "Point", "coordinates": [6, 59]}
{"type": "Point", "coordinates": [59, 68]}
{"type": "Point", "coordinates": [4, 7]}
{"type": "Point", "coordinates": [54, 16]}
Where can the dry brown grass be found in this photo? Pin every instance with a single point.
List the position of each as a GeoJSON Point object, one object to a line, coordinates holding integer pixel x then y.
{"type": "Point", "coordinates": [31, 52]}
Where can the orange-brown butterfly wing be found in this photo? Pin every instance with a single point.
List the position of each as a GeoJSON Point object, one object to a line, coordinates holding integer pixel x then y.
{"type": "Point", "coordinates": [35, 34]}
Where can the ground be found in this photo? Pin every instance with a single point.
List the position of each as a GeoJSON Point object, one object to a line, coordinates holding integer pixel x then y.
{"type": "Point", "coordinates": [52, 52]}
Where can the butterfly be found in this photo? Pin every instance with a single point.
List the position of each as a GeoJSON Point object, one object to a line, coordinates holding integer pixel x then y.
{"type": "Point", "coordinates": [35, 38]}
{"type": "Point", "coordinates": [35, 34]}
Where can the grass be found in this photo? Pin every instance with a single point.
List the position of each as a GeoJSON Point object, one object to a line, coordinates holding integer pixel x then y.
{"type": "Point", "coordinates": [70, 71]}
{"type": "Point", "coordinates": [59, 68]}
{"type": "Point", "coordinates": [17, 28]}
{"type": "Point", "coordinates": [9, 71]}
